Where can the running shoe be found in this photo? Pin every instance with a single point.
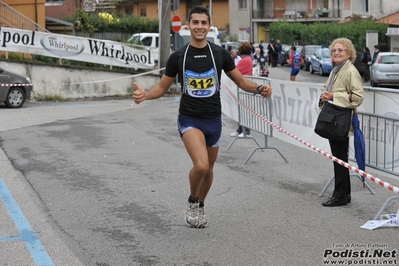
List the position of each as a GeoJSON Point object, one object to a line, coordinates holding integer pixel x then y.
{"type": "Point", "coordinates": [202, 222]}
{"type": "Point", "coordinates": [192, 214]}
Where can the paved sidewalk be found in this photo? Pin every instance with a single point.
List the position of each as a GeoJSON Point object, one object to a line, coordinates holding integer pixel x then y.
{"type": "Point", "coordinates": [105, 183]}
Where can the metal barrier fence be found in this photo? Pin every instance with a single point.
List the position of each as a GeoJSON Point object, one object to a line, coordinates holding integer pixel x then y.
{"type": "Point", "coordinates": [380, 132]}
{"type": "Point", "coordinates": [251, 109]}
{"type": "Point", "coordinates": [255, 112]}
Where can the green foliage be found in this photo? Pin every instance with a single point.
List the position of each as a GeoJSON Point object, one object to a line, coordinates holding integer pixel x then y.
{"type": "Point", "coordinates": [50, 98]}
{"type": "Point", "coordinates": [45, 59]}
{"type": "Point", "coordinates": [122, 23]}
{"type": "Point", "coordinates": [82, 21]}
{"type": "Point", "coordinates": [325, 33]}
{"type": "Point", "coordinates": [233, 38]}
{"type": "Point", "coordinates": [15, 56]}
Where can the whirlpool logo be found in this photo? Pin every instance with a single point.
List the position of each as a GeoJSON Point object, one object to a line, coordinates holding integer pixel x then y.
{"type": "Point", "coordinates": [62, 46]}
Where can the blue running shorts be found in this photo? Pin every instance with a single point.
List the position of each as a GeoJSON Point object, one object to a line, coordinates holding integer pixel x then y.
{"type": "Point", "coordinates": [294, 71]}
{"type": "Point", "coordinates": [211, 127]}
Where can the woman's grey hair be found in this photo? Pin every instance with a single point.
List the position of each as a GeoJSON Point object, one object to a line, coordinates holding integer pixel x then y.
{"type": "Point", "coordinates": [348, 45]}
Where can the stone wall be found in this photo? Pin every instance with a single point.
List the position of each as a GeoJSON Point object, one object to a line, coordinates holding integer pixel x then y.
{"type": "Point", "coordinates": [77, 82]}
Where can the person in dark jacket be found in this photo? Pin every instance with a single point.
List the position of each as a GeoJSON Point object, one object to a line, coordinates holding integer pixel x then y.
{"type": "Point", "coordinates": [272, 53]}
{"type": "Point", "coordinates": [366, 58]}
{"type": "Point", "coordinates": [279, 50]}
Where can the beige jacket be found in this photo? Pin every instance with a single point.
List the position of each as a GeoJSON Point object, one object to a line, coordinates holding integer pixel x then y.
{"type": "Point", "coordinates": [347, 81]}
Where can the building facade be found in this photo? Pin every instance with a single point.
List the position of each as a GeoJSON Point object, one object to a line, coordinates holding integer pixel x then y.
{"type": "Point", "coordinates": [33, 13]}
{"type": "Point", "coordinates": [256, 15]}
{"type": "Point", "coordinates": [143, 8]}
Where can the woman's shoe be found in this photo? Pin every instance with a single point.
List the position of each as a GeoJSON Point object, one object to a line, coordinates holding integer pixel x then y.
{"type": "Point", "coordinates": [334, 201]}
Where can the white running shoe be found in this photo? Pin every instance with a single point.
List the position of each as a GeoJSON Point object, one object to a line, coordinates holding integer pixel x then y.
{"type": "Point", "coordinates": [202, 222]}
{"type": "Point", "coordinates": [234, 134]}
{"type": "Point", "coordinates": [192, 214]}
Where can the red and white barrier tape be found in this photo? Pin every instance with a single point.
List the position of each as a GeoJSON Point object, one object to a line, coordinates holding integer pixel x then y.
{"type": "Point", "coordinates": [84, 82]}
{"type": "Point", "coordinates": [331, 157]}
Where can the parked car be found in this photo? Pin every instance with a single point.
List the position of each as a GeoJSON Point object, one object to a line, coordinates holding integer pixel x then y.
{"type": "Point", "coordinates": [385, 69]}
{"type": "Point", "coordinates": [285, 55]}
{"type": "Point", "coordinates": [11, 94]}
{"type": "Point", "coordinates": [307, 52]}
{"type": "Point", "coordinates": [233, 45]}
{"type": "Point", "coordinates": [149, 39]}
{"type": "Point", "coordinates": [285, 51]}
{"type": "Point", "coordinates": [321, 62]}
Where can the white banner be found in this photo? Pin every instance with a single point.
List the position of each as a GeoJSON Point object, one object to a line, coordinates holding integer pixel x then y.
{"type": "Point", "coordinates": [295, 109]}
{"type": "Point", "coordinates": [229, 106]}
{"type": "Point", "coordinates": [75, 48]}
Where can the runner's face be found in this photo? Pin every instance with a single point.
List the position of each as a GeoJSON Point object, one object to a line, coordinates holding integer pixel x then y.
{"type": "Point", "coordinates": [199, 26]}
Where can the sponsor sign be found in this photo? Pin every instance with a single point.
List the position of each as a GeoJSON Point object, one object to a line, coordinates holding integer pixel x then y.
{"type": "Point", "coordinates": [75, 48]}
{"type": "Point", "coordinates": [295, 109]}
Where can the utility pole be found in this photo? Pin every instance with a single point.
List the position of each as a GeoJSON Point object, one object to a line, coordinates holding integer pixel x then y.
{"type": "Point", "coordinates": [164, 32]}
{"type": "Point", "coordinates": [210, 10]}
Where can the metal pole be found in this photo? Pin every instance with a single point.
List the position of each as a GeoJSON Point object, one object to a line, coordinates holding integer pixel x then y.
{"type": "Point", "coordinates": [164, 30]}
{"type": "Point", "coordinates": [210, 9]}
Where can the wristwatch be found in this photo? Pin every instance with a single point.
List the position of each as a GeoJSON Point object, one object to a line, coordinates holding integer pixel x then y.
{"type": "Point", "coordinates": [258, 90]}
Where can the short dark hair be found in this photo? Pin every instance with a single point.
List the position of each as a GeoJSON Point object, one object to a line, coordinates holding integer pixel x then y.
{"type": "Point", "coordinates": [376, 46]}
{"type": "Point", "coordinates": [293, 48]}
{"type": "Point", "coordinates": [199, 10]}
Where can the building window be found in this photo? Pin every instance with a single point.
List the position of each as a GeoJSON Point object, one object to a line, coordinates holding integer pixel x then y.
{"type": "Point", "coordinates": [242, 4]}
{"type": "Point", "coordinates": [143, 11]}
{"type": "Point", "coordinates": [366, 5]}
{"type": "Point", "coordinates": [54, 2]}
{"type": "Point", "coordinates": [129, 11]}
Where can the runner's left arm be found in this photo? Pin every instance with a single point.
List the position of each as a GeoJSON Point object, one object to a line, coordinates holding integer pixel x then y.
{"type": "Point", "coordinates": [248, 85]}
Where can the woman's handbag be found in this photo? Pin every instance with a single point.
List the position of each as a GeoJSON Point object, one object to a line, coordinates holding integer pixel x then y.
{"type": "Point", "coordinates": [333, 122]}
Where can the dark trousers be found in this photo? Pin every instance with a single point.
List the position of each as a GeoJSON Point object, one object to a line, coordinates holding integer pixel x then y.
{"type": "Point", "coordinates": [239, 130]}
{"type": "Point", "coordinates": [275, 59]}
{"type": "Point", "coordinates": [342, 180]}
{"type": "Point", "coordinates": [366, 72]}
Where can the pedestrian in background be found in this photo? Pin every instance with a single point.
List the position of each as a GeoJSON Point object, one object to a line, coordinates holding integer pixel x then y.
{"type": "Point", "coordinates": [344, 88]}
{"type": "Point", "coordinates": [245, 66]}
{"type": "Point", "coordinates": [295, 62]}
{"type": "Point", "coordinates": [259, 62]}
{"type": "Point", "coordinates": [366, 58]}
{"type": "Point", "coordinates": [262, 48]}
{"type": "Point", "coordinates": [270, 53]}
{"type": "Point", "coordinates": [279, 50]}
{"type": "Point", "coordinates": [235, 56]}
{"type": "Point", "coordinates": [272, 50]}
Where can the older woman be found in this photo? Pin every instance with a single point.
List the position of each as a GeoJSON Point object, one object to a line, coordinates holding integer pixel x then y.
{"type": "Point", "coordinates": [344, 88]}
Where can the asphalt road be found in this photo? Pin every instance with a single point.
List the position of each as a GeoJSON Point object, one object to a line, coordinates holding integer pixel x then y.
{"type": "Point", "coordinates": [105, 183]}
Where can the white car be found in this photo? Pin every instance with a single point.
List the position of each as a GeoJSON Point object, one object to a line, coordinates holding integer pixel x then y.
{"type": "Point", "coordinates": [385, 69]}
{"type": "Point", "coordinates": [150, 40]}
{"type": "Point", "coordinates": [212, 36]}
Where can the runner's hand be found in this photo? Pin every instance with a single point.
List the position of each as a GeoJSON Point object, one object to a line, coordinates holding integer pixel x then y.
{"type": "Point", "coordinates": [139, 94]}
{"type": "Point", "coordinates": [266, 90]}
